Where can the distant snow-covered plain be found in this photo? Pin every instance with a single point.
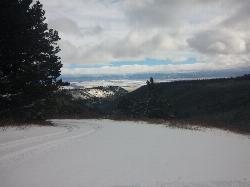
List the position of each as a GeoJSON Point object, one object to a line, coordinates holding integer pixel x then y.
{"type": "Point", "coordinates": [129, 85]}
{"type": "Point", "coordinates": [105, 153]}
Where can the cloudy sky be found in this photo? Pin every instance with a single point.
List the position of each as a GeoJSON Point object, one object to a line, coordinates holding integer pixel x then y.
{"type": "Point", "coordinates": [137, 36]}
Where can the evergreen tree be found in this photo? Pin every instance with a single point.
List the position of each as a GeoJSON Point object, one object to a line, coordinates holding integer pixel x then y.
{"type": "Point", "coordinates": [29, 65]}
{"type": "Point", "coordinates": [151, 80]}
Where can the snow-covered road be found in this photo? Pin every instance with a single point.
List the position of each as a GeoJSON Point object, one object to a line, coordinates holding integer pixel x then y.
{"type": "Point", "coordinates": [96, 153]}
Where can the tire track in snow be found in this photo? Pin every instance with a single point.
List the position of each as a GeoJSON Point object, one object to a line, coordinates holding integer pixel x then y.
{"type": "Point", "coordinates": [42, 146]}
{"type": "Point", "coordinates": [28, 140]}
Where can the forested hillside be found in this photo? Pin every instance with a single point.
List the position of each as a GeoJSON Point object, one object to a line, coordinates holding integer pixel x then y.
{"type": "Point", "coordinates": [217, 102]}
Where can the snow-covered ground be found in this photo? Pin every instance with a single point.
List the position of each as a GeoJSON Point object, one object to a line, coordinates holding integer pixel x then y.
{"type": "Point", "coordinates": [105, 153]}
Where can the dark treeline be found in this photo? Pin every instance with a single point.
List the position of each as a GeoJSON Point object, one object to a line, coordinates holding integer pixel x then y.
{"type": "Point", "coordinates": [216, 102]}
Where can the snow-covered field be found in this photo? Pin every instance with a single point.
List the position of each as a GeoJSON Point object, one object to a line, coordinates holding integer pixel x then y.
{"type": "Point", "coordinates": [105, 153]}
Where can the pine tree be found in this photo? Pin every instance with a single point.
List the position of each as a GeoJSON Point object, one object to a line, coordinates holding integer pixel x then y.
{"type": "Point", "coordinates": [29, 65]}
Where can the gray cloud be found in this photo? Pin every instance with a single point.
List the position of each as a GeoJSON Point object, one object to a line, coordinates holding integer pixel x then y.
{"type": "Point", "coordinates": [69, 52]}
{"type": "Point", "coordinates": [65, 25]}
{"type": "Point", "coordinates": [93, 30]}
{"type": "Point", "coordinates": [240, 18]}
{"type": "Point", "coordinates": [152, 13]}
{"type": "Point", "coordinates": [218, 42]}
{"type": "Point", "coordinates": [168, 13]}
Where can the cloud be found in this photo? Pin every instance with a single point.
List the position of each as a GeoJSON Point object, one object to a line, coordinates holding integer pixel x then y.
{"type": "Point", "coordinates": [95, 30]}
{"type": "Point", "coordinates": [171, 14]}
{"type": "Point", "coordinates": [134, 46]}
{"type": "Point", "coordinates": [240, 18]}
{"type": "Point", "coordinates": [219, 42]}
{"type": "Point", "coordinates": [150, 13]}
{"type": "Point", "coordinates": [215, 32]}
{"type": "Point", "coordinates": [69, 52]}
{"type": "Point", "coordinates": [66, 26]}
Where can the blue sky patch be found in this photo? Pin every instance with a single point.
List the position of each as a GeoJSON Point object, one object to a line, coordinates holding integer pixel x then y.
{"type": "Point", "coordinates": [152, 62]}
{"type": "Point", "coordinates": [147, 62]}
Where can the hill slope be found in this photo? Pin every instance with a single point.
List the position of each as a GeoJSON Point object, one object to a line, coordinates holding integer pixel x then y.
{"type": "Point", "coordinates": [217, 101]}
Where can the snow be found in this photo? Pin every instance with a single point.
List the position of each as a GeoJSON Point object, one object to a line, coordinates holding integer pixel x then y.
{"type": "Point", "coordinates": [128, 85]}
{"type": "Point", "coordinates": [99, 93]}
{"type": "Point", "coordinates": [67, 88]}
{"type": "Point", "coordinates": [80, 94]}
{"type": "Point", "coordinates": [94, 153]}
{"type": "Point", "coordinates": [88, 93]}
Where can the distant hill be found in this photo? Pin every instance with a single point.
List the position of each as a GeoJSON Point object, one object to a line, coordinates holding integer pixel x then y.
{"type": "Point", "coordinates": [218, 102]}
{"type": "Point", "coordinates": [72, 102]}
